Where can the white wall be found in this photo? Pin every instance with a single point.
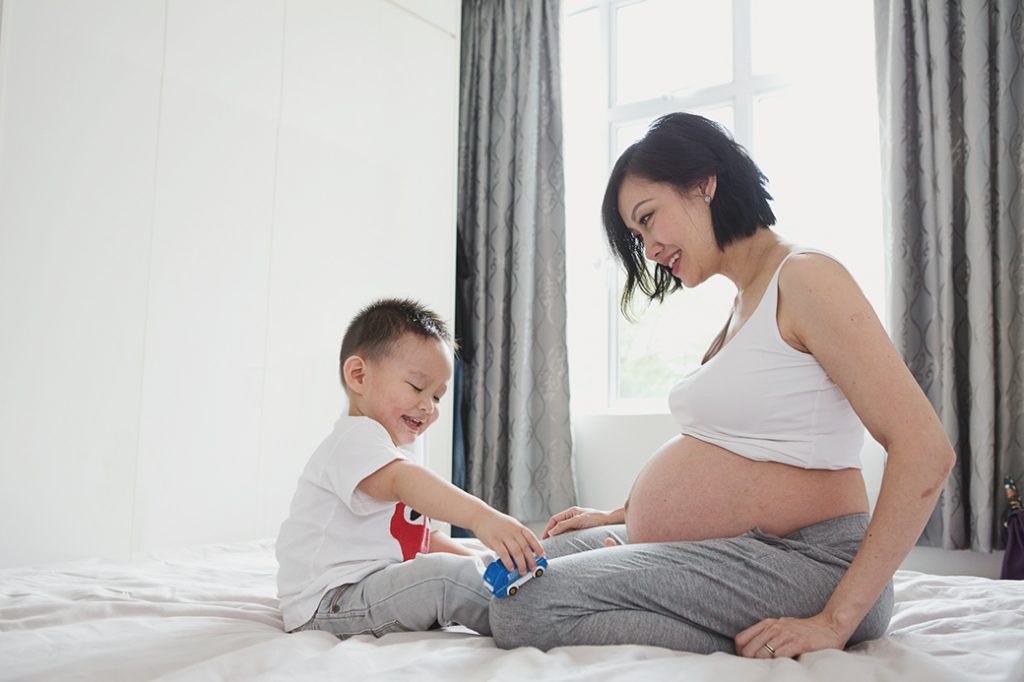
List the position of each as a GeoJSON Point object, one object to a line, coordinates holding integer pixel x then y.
{"type": "Point", "coordinates": [194, 199]}
{"type": "Point", "coordinates": [612, 448]}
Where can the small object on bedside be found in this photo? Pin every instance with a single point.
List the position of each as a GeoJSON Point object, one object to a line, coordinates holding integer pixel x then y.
{"type": "Point", "coordinates": [1011, 492]}
{"type": "Point", "coordinates": [504, 582]}
{"type": "Point", "coordinates": [1013, 560]}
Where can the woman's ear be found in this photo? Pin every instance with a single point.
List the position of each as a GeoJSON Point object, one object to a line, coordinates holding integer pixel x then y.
{"type": "Point", "coordinates": [709, 186]}
{"type": "Point", "coordinates": [354, 371]}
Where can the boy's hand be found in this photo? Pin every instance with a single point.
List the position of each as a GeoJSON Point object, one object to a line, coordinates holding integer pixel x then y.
{"type": "Point", "coordinates": [510, 540]}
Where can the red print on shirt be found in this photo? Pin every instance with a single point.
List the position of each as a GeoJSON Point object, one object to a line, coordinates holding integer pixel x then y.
{"type": "Point", "coordinates": [411, 530]}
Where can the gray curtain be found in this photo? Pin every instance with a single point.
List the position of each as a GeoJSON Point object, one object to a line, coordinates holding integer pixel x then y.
{"type": "Point", "coordinates": [511, 265]}
{"type": "Point", "coordinates": [951, 84]}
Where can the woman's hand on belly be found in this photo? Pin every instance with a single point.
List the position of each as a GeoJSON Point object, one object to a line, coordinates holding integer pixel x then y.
{"type": "Point", "coordinates": [577, 518]}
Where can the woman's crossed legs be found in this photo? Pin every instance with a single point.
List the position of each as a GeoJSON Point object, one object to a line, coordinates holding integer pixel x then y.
{"type": "Point", "coordinates": [688, 596]}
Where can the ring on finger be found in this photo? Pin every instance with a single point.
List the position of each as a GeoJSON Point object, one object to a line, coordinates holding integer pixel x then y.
{"type": "Point", "coordinates": [769, 648]}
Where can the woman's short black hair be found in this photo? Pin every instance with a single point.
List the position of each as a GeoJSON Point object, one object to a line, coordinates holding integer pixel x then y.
{"type": "Point", "coordinates": [683, 150]}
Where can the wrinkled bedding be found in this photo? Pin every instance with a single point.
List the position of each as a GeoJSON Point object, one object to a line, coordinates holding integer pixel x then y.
{"type": "Point", "coordinates": [210, 613]}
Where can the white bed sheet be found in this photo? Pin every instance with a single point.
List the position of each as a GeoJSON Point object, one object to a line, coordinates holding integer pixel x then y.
{"type": "Point", "coordinates": [210, 614]}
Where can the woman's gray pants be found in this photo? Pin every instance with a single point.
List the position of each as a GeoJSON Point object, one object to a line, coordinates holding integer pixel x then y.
{"type": "Point", "coordinates": [688, 596]}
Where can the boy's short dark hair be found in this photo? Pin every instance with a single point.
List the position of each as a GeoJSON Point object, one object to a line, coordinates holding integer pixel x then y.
{"type": "Point", "coordinates": [375, 330]}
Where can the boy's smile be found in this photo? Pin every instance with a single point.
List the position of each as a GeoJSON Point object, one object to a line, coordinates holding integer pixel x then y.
{"type": "Point", "coordinates": [401, 389]}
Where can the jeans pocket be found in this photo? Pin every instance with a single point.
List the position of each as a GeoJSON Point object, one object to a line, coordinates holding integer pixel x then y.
{"type": "Point", "coordinates": [329, 604]}
{"type": "Point", "coordinates": [327, 607]}
{"type": "Point", "coordinates": [388, 628]}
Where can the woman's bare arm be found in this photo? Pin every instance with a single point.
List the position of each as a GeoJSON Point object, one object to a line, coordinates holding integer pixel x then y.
{"type": "Point", "coordinates": [823, 310]}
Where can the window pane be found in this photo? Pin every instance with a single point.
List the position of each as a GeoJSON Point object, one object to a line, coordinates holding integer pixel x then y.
{"type": "Point", "coordinates": [585, 102]}
{"type": "Point", "coordinates": [628, 133]}
{"type": "Point", "coordinates": [723, 115]}
{"type": "Point", "coordinates": [570, 7]}
{"type": "Point", "coordinates": [818, 144]}
{"type": "Point", "coordinates": [773, 47]}
{"type": "Point", "coordinates": [669, 339]}
{"type": "Point", "coordinates": [782, 42]}
{"type": "Point", "coordinates": [664, 46]}
{"type": "Point", "coordinates": [631, 131]}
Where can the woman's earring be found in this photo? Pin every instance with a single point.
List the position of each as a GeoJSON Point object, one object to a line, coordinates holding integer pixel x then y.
{"type": "Point", "coordinates": [707, 199]}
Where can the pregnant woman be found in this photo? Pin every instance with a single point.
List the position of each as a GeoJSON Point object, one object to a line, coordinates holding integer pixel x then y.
{"type": "Point", "coordinates": [749, 531]}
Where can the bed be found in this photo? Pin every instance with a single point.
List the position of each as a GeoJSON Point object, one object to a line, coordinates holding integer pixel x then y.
{"type": "Point", "coordinates": [210, 613]}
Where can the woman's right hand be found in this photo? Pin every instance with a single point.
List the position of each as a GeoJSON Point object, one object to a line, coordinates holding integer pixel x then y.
{"type": "Point", "coordinates": [575, 518]}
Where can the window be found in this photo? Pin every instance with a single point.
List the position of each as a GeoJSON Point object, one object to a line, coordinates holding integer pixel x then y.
{"type": "Point", "coordinates": [801, 100]}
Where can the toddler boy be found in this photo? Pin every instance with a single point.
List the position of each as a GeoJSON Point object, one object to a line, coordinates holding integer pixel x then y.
{"type": "Point", "coordinates": [356, 553]}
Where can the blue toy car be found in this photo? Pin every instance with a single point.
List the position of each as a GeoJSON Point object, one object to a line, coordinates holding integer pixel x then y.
{"type": "Point", "coordinates": [504, 582]}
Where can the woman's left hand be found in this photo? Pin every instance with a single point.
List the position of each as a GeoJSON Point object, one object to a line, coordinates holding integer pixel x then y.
{"type": "Point", "coordinates": [790, 637]}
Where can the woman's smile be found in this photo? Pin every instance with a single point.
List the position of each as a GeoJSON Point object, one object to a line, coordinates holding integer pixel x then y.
{"type": "Point", "coordinates": [673, 262]}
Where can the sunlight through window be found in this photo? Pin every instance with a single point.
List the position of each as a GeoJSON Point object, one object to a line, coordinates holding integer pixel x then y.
{"type": "Point", "coordinates": [803, 102]}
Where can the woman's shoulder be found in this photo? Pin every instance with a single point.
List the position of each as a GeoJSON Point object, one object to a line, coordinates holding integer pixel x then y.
{"type": "Point", "coordinates": [816, 289]}
{"type": "Point", "coordinates": [811, 268]}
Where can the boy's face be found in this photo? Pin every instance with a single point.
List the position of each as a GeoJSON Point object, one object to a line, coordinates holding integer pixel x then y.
{"type": "Point", "coordinates": [402, 389]}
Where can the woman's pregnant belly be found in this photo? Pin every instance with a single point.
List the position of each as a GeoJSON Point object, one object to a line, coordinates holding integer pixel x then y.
{"type": "Point", "coordinates": [692, 490]}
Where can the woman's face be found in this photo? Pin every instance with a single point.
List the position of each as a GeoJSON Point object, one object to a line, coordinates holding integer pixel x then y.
{"type": "Point", "coordinates": [675, 227]}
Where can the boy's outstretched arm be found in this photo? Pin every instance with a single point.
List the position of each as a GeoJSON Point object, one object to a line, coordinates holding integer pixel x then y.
{"type": "Point", "coordinates": [442, 542]}
{"type": "Point", "coordinates": [429, 494]}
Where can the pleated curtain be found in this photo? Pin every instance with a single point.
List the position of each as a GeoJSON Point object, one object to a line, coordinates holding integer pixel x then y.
{"type": "Point", "coordinates": [951, 86]}
{"type": "Point", "coordinates": [511, 312]}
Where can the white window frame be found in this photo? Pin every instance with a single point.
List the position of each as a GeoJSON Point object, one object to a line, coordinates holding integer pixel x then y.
{"type": "Point", "coordinates": [742, 94]}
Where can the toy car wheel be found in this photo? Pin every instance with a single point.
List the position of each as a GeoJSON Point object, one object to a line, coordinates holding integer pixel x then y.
{"type": "Point", "coordinates": [512, 590]}
{"type": "Point", "coordinates": [538, 573]}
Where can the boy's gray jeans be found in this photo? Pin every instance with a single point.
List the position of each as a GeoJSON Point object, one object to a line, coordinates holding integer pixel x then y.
{"type": "Point", "coordinates": [430, 591]}
{"type": "Point", "coordinates": [688, 596]}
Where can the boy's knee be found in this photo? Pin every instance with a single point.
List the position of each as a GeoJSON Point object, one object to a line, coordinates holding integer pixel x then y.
{"type": "Point", "coordinates": [439, 561]}
{"type": "Point", "coordinates": [464, 570]}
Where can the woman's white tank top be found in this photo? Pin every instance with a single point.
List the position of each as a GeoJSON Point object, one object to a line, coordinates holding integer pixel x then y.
{"type": "Point", "coordinates": [764, 400]}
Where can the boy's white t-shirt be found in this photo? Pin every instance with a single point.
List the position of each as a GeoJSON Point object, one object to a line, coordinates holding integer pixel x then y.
{"type": "Point", "coordinates": [336, 534]}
